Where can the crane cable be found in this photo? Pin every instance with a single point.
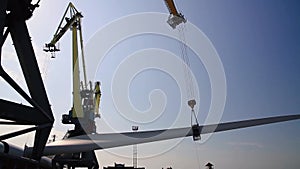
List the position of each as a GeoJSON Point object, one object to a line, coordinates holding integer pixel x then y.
{"type": "Point", "coordinates": [190, 86]}
{"type": "Point", "coordinates": [185, 58]}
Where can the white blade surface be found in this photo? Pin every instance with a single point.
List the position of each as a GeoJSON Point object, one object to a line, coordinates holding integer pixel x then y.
{"type": "Point", "coordinates": [85, 143]}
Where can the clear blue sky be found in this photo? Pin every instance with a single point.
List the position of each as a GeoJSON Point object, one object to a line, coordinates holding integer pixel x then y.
{"type": "Point", "coordinates": [258, 44]}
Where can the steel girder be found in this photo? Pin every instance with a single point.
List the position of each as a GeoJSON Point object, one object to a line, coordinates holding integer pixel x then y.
{"type": "Point", "coordinates": [40, 114]}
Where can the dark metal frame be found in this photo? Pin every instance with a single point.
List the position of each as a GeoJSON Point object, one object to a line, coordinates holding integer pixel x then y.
{"type": "Point", "coordinates": [41, 116]}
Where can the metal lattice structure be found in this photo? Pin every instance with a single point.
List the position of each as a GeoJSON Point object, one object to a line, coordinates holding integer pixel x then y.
{"type": "Point", "coordinates": [13, 15]}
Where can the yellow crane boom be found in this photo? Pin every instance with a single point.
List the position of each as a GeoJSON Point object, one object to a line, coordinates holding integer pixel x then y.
{"type": "Point", "coordinates": [62, 29]}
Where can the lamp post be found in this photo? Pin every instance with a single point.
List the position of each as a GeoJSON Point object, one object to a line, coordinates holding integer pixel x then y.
{"type": "Point", "coordinates": [134, 149]}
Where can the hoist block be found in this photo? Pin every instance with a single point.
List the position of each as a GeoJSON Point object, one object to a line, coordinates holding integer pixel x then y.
{"type": "Point", "coordinates": [175, 20]}
{"type": "Point", "coordinates": [192, 103]}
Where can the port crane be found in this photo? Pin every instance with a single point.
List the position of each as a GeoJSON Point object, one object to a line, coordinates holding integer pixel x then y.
{"type": "Point", "coordinates": [86, 100]}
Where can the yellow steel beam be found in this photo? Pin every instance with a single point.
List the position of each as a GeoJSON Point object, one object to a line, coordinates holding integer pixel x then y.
{"type": "Point", "coordinates": [77, 106]}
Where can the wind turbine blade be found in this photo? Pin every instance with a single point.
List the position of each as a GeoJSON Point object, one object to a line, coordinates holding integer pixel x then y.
{"type": "Point", "coordinates": [90, 142]}
{"type": "Point", "coordinates": [245, 123]}
{"type": "Point", "coordinates": [85, 143]}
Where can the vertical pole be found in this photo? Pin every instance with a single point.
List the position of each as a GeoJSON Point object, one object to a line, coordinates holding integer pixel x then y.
{"type": "Point", "coordinates": [134, 149]}
{"type": "Point", "coordinates": [134, 156]}
{"type": "Point", "coordinates": [77, 106]}
{"type": "Point", "coordinates": [82, 54]}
